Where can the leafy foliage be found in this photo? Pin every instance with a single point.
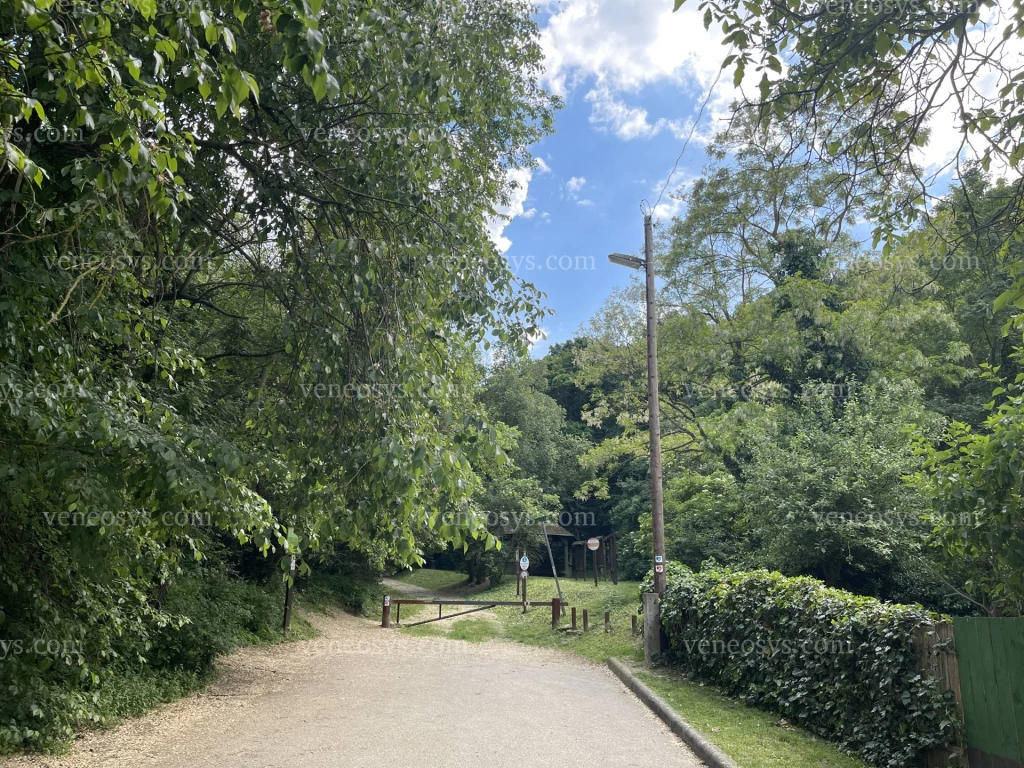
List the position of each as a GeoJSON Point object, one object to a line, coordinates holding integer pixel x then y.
{"type": "Point", "coordinates": [973, 479]}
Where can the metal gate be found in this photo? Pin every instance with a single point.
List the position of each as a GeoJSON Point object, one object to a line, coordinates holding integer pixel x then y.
{"type": "Point", "coordinates": [555, 605]}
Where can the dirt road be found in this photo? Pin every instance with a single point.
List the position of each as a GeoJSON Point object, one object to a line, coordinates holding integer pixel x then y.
{"type": "Point", "coordinates": [361, 696]}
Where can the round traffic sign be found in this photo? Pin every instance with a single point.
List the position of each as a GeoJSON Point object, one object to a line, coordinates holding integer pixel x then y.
{"type": "Point", "coordinates": [524, 562]}
{"type": "Point", "coordinates": [593, 543]}
{"type": "Point", "coordinates": [523, 574]}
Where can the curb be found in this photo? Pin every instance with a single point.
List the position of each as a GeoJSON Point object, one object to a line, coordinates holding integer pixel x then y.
{"type": "Point", "coordinates": [704, 749]}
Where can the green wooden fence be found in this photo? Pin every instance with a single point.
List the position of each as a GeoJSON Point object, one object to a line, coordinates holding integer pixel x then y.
{"type": "Point", "coordinates": [991, 668]}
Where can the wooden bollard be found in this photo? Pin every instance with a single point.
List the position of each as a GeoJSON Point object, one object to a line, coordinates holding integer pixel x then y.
{"type": "Point", "coordinates": [556, 612]}
{"type": "Point", "coordinates": [633, 630]}
{"type": "Point", "coordinates": [574, 618]}
{"type": "Point", "coordinates": [607, 621]}
{"type": "Point", "coordinates": [586, 622]}
{"type": "Point", "coordinates": [385, 614]}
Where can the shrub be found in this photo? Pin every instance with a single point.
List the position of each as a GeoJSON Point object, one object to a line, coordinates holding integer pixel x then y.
{"type": "Point", "coordinates": [222, 612]}
{"type": "Point", "coordinates": [837, 664]}
{"type": "Point", "coordinates": [68, 664]}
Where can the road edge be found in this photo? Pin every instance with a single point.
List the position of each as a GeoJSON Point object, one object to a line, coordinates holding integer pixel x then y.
{"type": "Point", "coordinates": [694, 739]}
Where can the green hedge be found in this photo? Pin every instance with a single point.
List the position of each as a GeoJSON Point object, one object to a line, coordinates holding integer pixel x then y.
{"type": "Point", "coordinates": [837, 664]}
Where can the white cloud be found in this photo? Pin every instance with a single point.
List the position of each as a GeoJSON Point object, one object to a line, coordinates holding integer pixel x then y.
{"type": "Point", "coordinates": [504, 214]}
{"type": "Point", "coordinates": [628, 43]}
{"type": "Point", "coordinates": [529, 214]}
{"type": "Point", "coordinates": [545, 216]}
{"type": "Point", "coordinates": [619, 47]}
{"type": "Point", "coordinates": [575, 184]}
{"type": "Point", "coordinates": [628, 123]}
{"type": "Point", "coordinates": [542, 167]}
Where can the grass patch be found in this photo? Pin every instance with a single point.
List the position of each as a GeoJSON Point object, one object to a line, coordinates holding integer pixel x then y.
{"type": "Point", "coordinates": [751, 737]}
{"type": "Point", "coordinates": [474, 630]}
{"type": "Point", "coordinates": [428, 578]}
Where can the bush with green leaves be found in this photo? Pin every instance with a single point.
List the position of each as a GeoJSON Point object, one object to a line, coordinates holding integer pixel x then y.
{"type": "Point", "coordinates": [837, 664]}
{"type": "Point", "coordinates": [73, 672]}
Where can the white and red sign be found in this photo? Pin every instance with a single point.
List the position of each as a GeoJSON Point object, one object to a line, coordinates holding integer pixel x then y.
{"type": "Point", "coordinates": [593, 543]}
{"type": "Point", "coordinates": [659, 568]}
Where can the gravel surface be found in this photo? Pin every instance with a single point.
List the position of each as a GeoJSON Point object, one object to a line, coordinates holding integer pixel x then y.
{"type": "Point", "coordinates": [359, 695]}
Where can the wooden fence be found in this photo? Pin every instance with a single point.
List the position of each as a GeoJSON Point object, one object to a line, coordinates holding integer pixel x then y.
{"type": "Point", "coordinates": [991, 661]}
{"type": "Point", "coordinates": [981, 660]}
{"type": "Point", "coordinates": [937, 657]}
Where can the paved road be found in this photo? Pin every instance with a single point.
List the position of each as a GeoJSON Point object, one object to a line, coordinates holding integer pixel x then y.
{"type": "Point", "coordinates": [363, 696]}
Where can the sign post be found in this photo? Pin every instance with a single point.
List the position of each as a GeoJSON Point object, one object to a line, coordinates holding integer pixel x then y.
{"type": "Point", "coordinates": [593, 544]}
{"type": "Point", "coordinates": [524, 574]}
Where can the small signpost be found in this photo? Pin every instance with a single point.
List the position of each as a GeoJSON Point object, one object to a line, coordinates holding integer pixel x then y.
{"type": "Point", "coordinates": [593, 544]}
{"type": "Point", "coordinates": [288, 597]}
{"type": "Point", "coordinates": [524, 574]}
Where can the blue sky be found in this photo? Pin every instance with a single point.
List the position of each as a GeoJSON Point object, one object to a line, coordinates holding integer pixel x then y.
{"type": "Point", "coordinates": [625, 120]}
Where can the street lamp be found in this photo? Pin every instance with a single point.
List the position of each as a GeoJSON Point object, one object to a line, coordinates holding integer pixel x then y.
{"type": "Point", "coordinates": [654, 426]}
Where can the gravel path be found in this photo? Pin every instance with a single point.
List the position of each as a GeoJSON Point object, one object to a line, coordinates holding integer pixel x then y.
{"type": "Point", "coordinates": [361, 696]}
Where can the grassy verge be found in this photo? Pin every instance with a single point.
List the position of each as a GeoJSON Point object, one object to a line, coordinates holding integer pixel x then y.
{"type": "Point", "coordinates": [751, 737]}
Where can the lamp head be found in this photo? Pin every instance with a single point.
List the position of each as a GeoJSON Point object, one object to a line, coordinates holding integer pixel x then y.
{"type": "Point", "coordinates": [633, 262]}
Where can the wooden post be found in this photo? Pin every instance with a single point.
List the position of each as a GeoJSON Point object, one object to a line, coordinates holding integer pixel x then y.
{"type": "Point", "coordinates": [607, 621]}
{"type": "Point", "coordinates": [556, 612]}
{"type": "Point", "coordinates": [288, 597]}
{"type": "Point", "coordinates": [524, 593]}
{"type": "Point", "coordinates": [633, 624]}
{"type": "Point", "coordinates": [574, 618]}
{"type": "Point", "coordinates": [652, 628]}
{"type": "Point", "coordinates": [595, 567]}
{"type": "Point", "coordinates": [586, 621]}
{"type": "Point", "coordinates": [517, 572]}
{"type": "Point", "coordinates": [385, 613]}
{"type": "Point", "coordinates": [615, 559]}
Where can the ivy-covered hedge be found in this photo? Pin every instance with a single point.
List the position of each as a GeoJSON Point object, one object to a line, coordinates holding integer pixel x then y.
{"type": "Point", "coordinates": [837, 664]}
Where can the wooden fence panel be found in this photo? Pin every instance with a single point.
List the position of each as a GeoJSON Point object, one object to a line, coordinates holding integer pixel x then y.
{"type": "Point", "coordinates": [991, 657]}
{"type": "Point", "coordinates": [937, 657]}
